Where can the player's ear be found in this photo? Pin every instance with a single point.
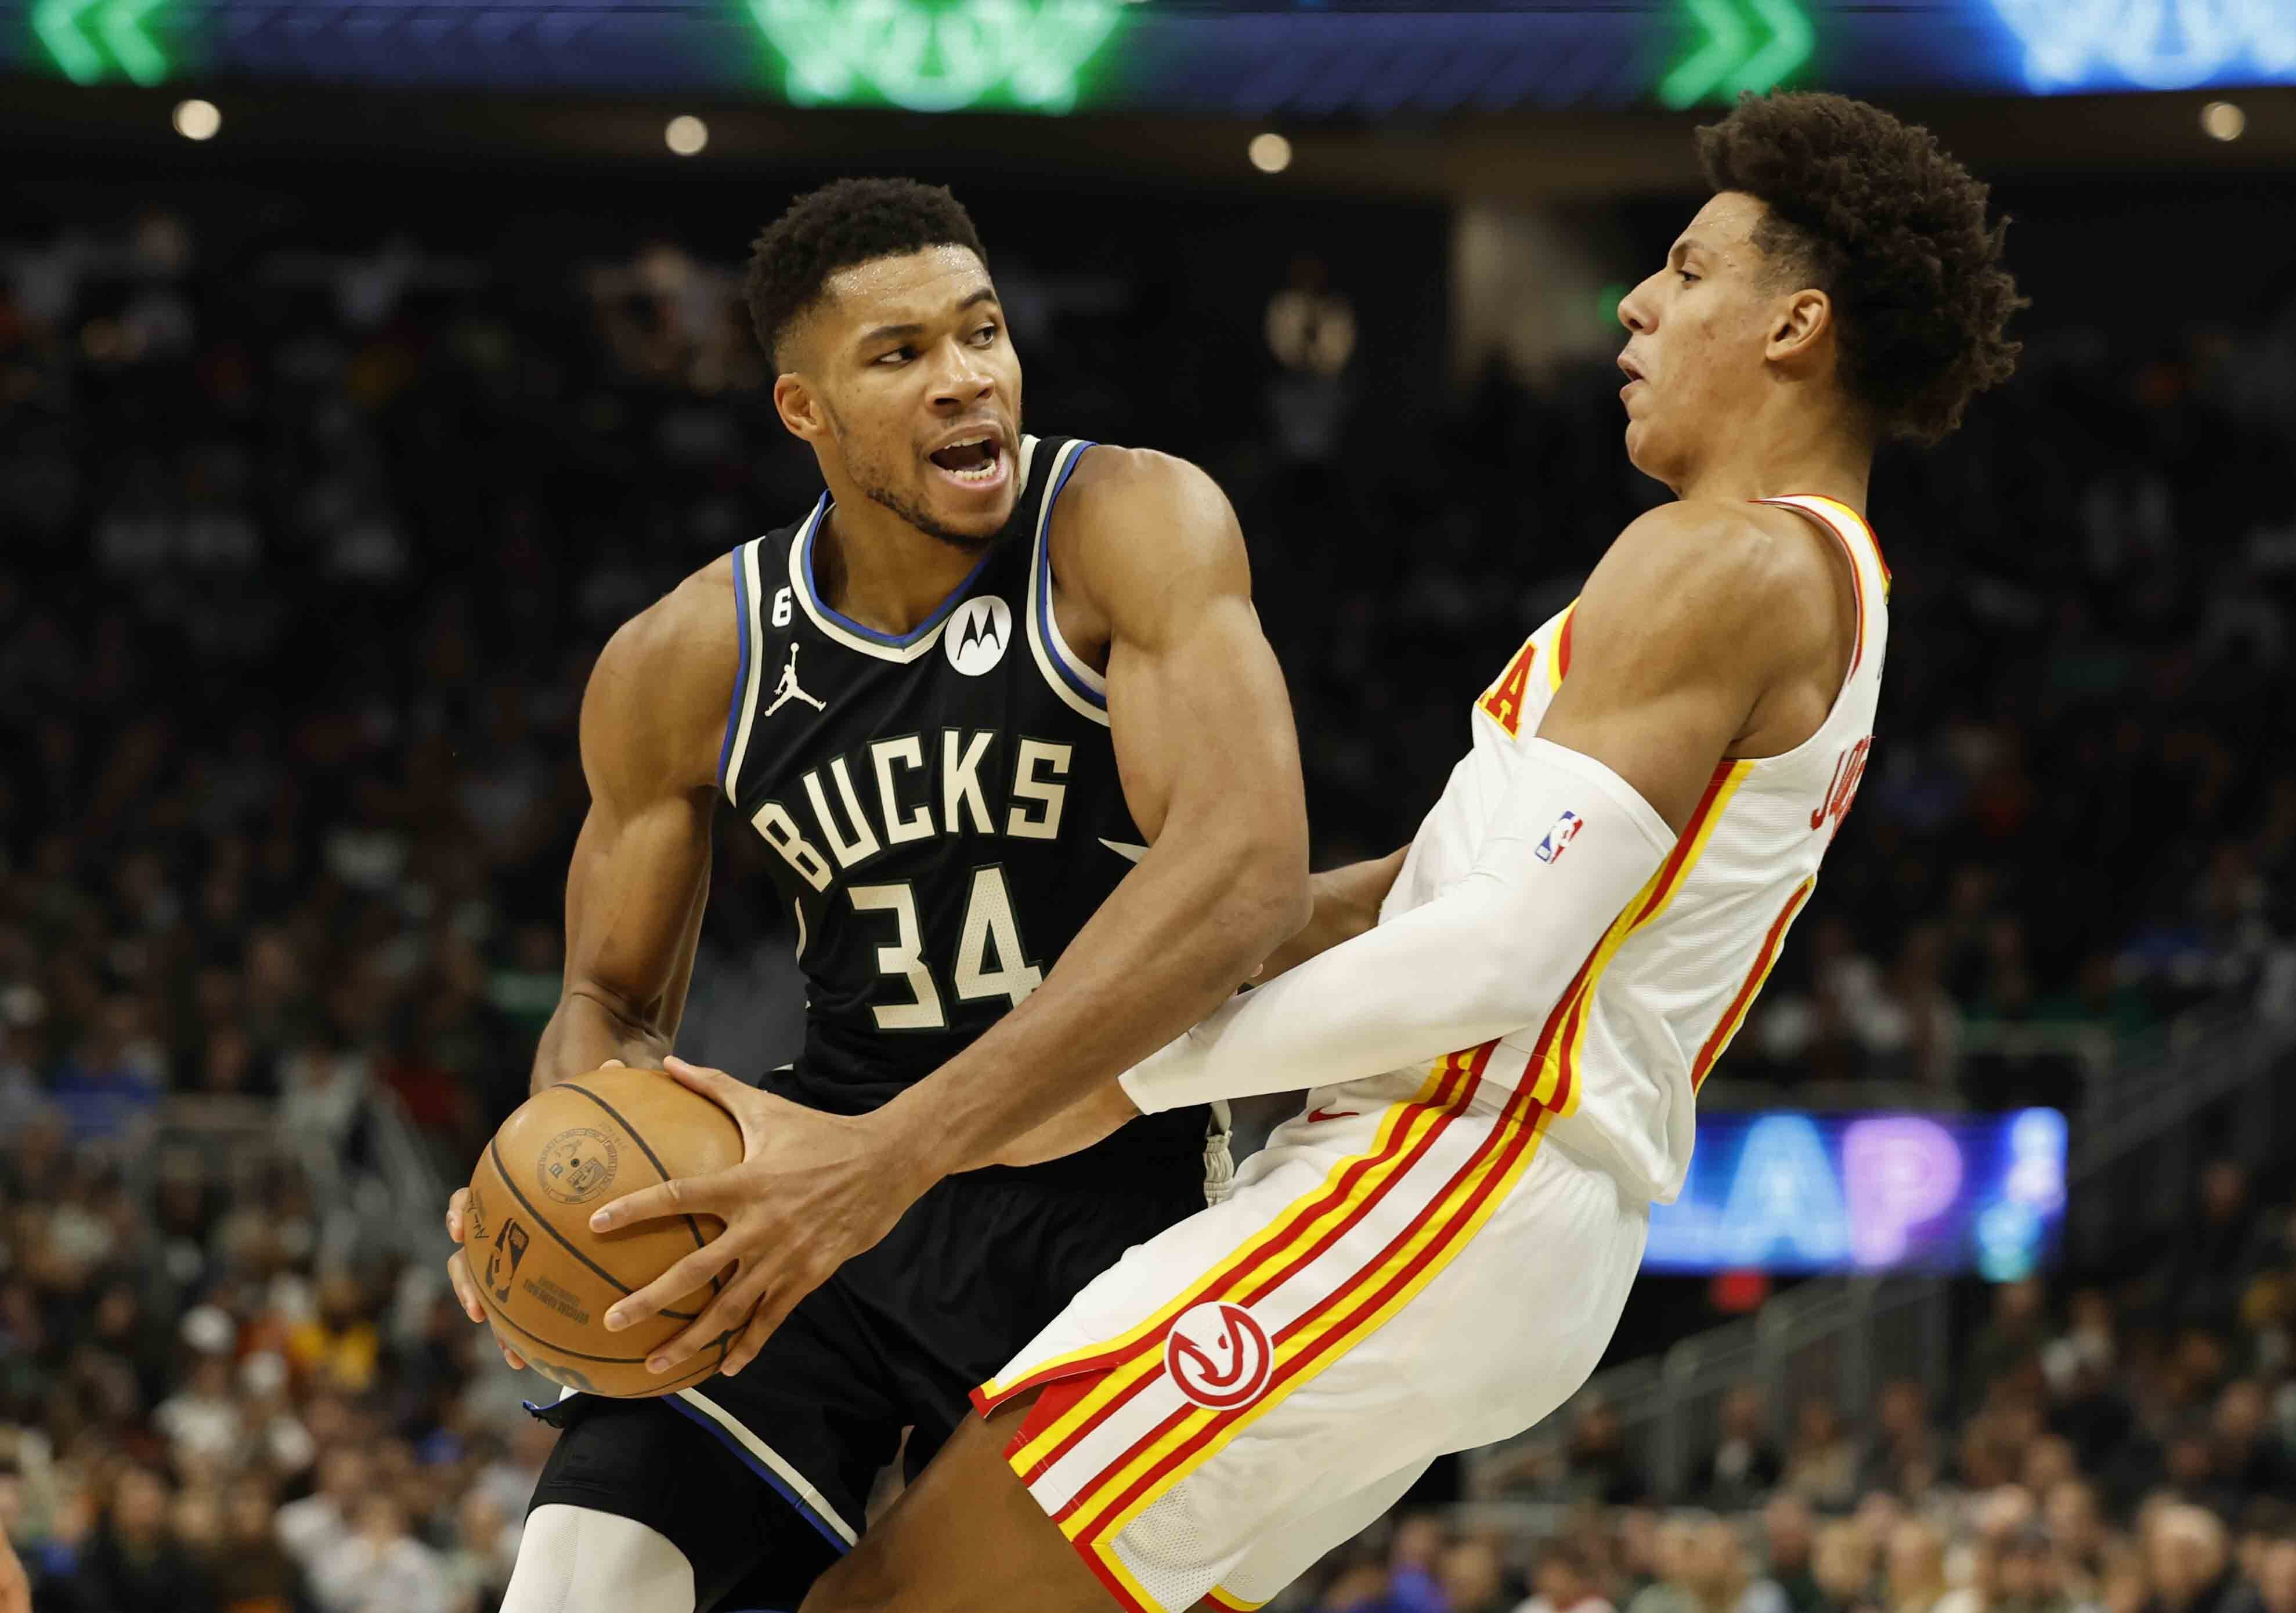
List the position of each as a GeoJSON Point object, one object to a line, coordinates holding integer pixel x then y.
{"type": "Point", "coordinates": [799, 406]}
{"type": "Point", "coordinates": [1802, 321]}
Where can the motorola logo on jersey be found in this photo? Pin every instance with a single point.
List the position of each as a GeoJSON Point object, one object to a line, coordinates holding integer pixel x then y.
{"type": "Point", "coordinates": [1219, 1355]}
{"type": "Point", "coordinates": [977, 634]}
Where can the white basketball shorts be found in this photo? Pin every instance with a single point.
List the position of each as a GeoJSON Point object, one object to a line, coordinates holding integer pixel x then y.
{"type": "Point", "coordinates": [1409, 1268]}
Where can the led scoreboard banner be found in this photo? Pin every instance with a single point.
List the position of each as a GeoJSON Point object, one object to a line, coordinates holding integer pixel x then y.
{"type": "Point", "coordinates": [1793, 1192]}
{"type": "Point", "coordinates": [1354, 59]}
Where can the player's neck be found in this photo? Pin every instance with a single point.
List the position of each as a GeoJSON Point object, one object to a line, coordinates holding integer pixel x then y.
{"type": "Point", "coordinates": [1774, 463]}
{"type": "Point", "coordinates": [873, 566]}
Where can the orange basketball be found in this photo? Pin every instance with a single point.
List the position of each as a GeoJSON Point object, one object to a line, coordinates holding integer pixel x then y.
{"type": "Point", "coordinates": [546, 1278]}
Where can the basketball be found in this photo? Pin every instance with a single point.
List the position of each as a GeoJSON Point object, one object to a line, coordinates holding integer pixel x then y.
{"type": "Point", "coordinates": [546, 1278]}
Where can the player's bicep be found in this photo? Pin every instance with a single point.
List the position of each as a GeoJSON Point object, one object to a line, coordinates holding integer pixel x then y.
{"type": "Point", "coordinates": [633, 897]}
{"type": "Point", "coordinates": [1201, 722]}
{"type": "Point", "coordinates": [641, 865]}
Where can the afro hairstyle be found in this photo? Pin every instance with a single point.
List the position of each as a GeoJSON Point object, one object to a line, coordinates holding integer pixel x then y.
{"type": "Point", "coordinates": [1893, 230]}
{"type": "Point", "coordinates": [844, 223]}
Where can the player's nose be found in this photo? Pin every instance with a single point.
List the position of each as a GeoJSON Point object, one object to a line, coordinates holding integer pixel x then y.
{"type": "Point", "coordinates": [1636, 308]}
{"type": "Point", "coordinates": [963, 382]}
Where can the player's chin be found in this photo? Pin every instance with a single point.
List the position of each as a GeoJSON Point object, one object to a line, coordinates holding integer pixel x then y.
{"type": "Point", "coordinates": [968, 507]}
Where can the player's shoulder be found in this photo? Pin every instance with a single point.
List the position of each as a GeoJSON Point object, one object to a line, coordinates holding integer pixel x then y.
{"type": "Point", "coordinates": [664, 680]}
{"type": "Point", "coordinates": [1128, 508]}
{"type": "Point", "coordinates": [1728, 562]}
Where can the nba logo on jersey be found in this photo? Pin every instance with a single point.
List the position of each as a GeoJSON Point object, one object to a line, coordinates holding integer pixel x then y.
{"type": "Point", "coordinates": [1565, 829]}
{"type": "Point", "coordinates": [978, 634]}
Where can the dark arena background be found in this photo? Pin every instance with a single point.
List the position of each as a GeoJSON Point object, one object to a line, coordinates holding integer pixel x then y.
{"type": "Point", "coordinates": [364, 364]}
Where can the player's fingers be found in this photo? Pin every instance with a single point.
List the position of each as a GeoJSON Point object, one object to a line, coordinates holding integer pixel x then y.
{"type": "Point", "coordinates": [510, 1357]}
{"type": "Point", "coordinates": [681, 1196]}
{"type": "Point", "coordinates": [454, 1214]}
{"type": "Point", "coordinates": [688, 1275]}
{"type": "Point", "coordinates": [613, 1064]}
{"type": "Point", "coordinates": [465, 1286]}
{"type": "Point", "coordinates": [720, 1316]}
{"type": "Point", "coordinates": [714, 1084]}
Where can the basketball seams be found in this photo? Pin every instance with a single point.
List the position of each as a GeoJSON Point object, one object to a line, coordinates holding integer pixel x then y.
{"type": "Point", "coordinates": [494, 1153]}
{"type": "Point", "coordinates": [652, 1159]}
{"type": "Point", "coordinates": [631, 1132]}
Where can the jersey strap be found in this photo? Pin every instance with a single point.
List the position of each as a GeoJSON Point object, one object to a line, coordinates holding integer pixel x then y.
{"type": "Point", "coordinates": [1869, 574]}
{"type": "Point", "coordinates": [1081, 688]}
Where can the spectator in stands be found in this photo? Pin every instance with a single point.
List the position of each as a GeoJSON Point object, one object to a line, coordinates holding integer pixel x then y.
{"type": "Point", "coordinates": [2189, 1558]}
{"type": "Point", "coordinates": [311, 1527]}
{"type": "Point", "coordinates": [1673, 1544]}
{"type": "Point", "coordinates": [1913, 1578]}
{"type": "Point", "coordinates": [255, 1573]}
{"type": "Point", "coordinates": [136, 1562]}
{"type": "Point", "coordinates": [1598, 1465]}
{"type": "Point", "coordinates": [380, 1567]}
{"type": "Point", "coordinates": [2275, 1581]}
{"type": "Point", "coordinates": [1821, 1464]}
{"type": "Point", "coordinates": [1744, 1465]}
{"type": "Point", "coordinates": [1841, 1563]}
{"type": "Point", "coordinates": [1564, 1581]}
{"type": "Point", "coordinates": [1788, 1539]}
{"type": "Point", "coordinates": [1903, 1441]}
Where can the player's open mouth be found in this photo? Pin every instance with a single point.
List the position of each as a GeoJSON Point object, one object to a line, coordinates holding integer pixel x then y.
{"type": "Point", "coordinates": [975, 462]}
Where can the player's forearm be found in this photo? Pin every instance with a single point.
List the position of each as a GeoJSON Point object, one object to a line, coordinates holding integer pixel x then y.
{"type": "Point", "coordinates": [1500, 952]}
{"type": "Point", "coordinates": [1347, 902]}
{"type": "Point", "coordinates": [1192, 923]}
{"type": "Point", "coordinates": [586, 1031]}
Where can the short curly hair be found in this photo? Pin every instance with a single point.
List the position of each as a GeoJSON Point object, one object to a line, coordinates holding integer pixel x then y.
{"type": "Point", "coordinates": [844, 223]}
{"type": "Point", "coordinates": [1887, 224]}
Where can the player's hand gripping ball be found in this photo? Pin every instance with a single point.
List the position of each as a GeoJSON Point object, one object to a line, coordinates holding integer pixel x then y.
{"type": "Point", "coordinates": [531, 1268]}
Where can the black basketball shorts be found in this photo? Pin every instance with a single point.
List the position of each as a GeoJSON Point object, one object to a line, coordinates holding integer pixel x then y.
{"type": "Point", "coordinates": [761, 1479]}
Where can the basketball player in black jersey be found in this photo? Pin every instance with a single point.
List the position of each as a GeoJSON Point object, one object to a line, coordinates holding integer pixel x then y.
{"type": "Point", "coordinates": [1001, 709]}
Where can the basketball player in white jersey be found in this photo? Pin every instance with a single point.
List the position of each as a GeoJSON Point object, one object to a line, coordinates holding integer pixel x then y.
{"type": "Point", "coordinates": [1501, 1072]}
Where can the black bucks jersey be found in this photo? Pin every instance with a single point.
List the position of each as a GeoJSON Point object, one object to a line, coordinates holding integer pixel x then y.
{"type": "Point", "coordinates": [943, 807]}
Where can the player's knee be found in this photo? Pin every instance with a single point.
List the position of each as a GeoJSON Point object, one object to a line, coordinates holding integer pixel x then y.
{"type": "Point", "coordinates": [572, 1560]}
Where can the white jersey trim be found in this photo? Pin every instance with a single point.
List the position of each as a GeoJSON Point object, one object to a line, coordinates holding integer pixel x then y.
{"type": "Point", "coordinates": [752, 624]}
{"type": "Point", "coordinates": [764, 1456]}
{"type": "Point", "coordinates": [1083, 690]}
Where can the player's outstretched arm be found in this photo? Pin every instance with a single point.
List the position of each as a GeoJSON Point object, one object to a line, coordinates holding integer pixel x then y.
{"type": "Point", "coordinates": [1346, 903]}
{"type": "Point", "coordinates": [1205, 744]}
{"type": "Point", "coordinates": [651, 719]}
{"type": "Point", "coordinates": [1697, 616]}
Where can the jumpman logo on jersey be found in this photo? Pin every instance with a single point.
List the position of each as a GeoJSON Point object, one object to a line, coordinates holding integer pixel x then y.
{"type": "Point", "coordinates": [787, 690]}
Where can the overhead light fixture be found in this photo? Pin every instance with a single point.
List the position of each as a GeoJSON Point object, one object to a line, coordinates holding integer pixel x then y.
{"type": "Point", "coordinates": [197, 119]}
{"type": "Point", "coordinates": [1270, 153]}
{"type": "Point", "coordinates": [2222, 120]}
{"type": "Point", "coordinates": [686, 136]}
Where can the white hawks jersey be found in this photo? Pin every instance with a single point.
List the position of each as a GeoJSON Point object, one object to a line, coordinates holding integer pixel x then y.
{"type": "Point", "coordinates": [1620, 1058]}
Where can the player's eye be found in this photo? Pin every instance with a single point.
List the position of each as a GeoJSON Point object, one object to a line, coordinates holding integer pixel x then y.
{"type": "Point", "coordinates": [986, 333]}
{"type": "Point", "coordinates": [897, 356]}
{"type": "Point", "coordinates": [1688, 277]}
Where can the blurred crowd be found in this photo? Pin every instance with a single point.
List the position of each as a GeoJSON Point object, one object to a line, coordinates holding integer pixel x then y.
{"type": "Point", "coordinates": [308, 548]}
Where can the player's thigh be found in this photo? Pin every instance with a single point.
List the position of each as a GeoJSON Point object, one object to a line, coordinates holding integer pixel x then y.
{"type": "Point", "coordinates": [965, 1537]}
{"type": "Point", "coordinates": [1285, 1554]}
{"type": "Point", "coordinates": [1459, 1277]}
{"type": "Point", "coordinates": [574, 1560]}
{"type": "Point", "coordinates": [651, 1463]}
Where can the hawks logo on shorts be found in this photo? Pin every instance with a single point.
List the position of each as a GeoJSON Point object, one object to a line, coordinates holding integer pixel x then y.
{"type": "Point", "coordinates": [1219, 1356]}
